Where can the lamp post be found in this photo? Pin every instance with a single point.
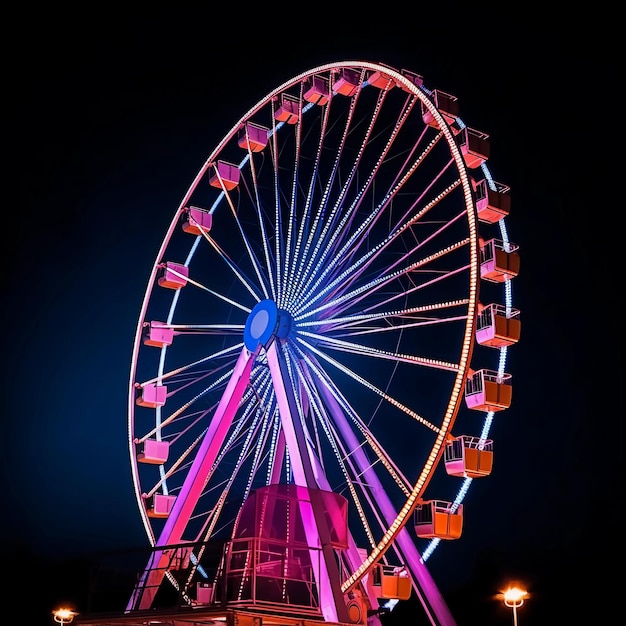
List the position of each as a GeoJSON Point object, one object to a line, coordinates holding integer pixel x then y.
{"type": "Point", "coordinates": [514, 598]}
{"type": "Point", "coordinates": [64, 616]}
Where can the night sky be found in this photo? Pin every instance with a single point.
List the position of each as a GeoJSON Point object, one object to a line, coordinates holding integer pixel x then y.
{"type": "Point", "coordinates": [106, 123]}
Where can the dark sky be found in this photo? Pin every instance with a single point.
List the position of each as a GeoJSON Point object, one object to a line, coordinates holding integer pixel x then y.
{"type": "Point", "coordinates": [107, 119]}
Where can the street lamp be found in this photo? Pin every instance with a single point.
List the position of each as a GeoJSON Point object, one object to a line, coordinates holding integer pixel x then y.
{"type": "Point", "coordinates": [514, 598]}
{"type": "Point", "coordinates": [64, 616]}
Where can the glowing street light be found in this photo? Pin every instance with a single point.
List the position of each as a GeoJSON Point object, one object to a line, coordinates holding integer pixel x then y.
{"type": "Point", "coordinates": [514, 598]}
{"type": "Point", "coordinates": [64, 616]}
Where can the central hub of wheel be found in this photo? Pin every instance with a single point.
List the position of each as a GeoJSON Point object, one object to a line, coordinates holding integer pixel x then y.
{"type": "Point", "coordinates": [266, 322]}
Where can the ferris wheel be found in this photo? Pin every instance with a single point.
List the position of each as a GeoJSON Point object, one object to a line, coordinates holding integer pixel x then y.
{"type": "Point", "coordinates": [321, 348]}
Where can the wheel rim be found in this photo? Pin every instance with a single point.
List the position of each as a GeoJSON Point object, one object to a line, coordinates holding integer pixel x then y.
{"type": "Point", "coordinates": [357, 221]}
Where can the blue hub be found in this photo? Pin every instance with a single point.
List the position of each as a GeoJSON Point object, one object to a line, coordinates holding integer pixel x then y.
{"type": "Point", "coordinates": [264, 323]}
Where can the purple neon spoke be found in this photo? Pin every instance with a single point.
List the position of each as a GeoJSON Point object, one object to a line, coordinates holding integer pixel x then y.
{"type": "Point", "coordinates": [335, 399]}
{"type": "Point", "coordinates": [255, 202]}
{"type": "Point", "coordinates": [307, 257]}
{"type": "Point", "coordinates": [234, 268]}
{"type": "Point", "coordinates": [299, 253]}
{"type": "Point", "coordinates": [359, 267]}
{"type": "Point", "coordinates": [337, 247]}
{"type": "Point", "coordinates": [291, 220]}
{"type": "Point", "coordinates": [327, 248]}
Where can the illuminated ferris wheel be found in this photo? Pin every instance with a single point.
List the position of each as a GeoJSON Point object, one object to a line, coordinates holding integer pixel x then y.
{"type": "Point", "coordinates": [325, 323]}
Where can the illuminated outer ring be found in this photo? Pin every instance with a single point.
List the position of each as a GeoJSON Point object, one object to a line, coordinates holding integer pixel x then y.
{"type": "Point", "coordinates": [278, 274]}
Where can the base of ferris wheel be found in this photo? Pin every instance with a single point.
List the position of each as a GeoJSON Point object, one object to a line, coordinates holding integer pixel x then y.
{"type": "Point", "coordinates": [270, 599]}
{"type": "Point", "coordinates": [269, 573]}
{"type": "Point", "coordinates": [261, 584]}
{"type": "Point", "coordinates": [255, 583]}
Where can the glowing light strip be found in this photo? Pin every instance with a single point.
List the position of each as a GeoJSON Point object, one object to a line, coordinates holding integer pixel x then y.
{"type": "Point", "coordinates": [274, 278]}
{"type": "Point", "coordinates": [246, 243]}
{"type": "Point", "coordinates": [215, 355]}
{"type": "Point", "coordinates": [348, 216]}
{"type": "Point", "coordinates": [377, 283]}
{"type": "Point", "coordinates": [206, 329]}
{"type": "Point", "coordinates": [291, 281]}
{"type": "Point", "coordinates": [327, 383]}
{"type": "Point", "coordinates": [274, 420]}
{"type": "Point", "coordinates": [369, 386]}
{"type": "Point", "coordinates": [304, 276]}
{"type": "Point", "coordinates": [323, 269]}
{"type": "Point", "coordinates": [256, 203]}
{"type": "Point", "coordinates": [162, 482]}
{"type": "Point", "coordinates": [363, 350]}
{"type": "Point", "coordinates": [178, 462]}
{"type": "Point", "coordinates": [350, 320]}
{"type": "Point", "coordinates": [214, 293]}
{"type": "Point", "coordinates": [382, 456]}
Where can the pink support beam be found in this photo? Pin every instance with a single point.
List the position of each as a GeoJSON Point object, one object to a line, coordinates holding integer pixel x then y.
{"type": "Point", "coordinates": [196, 478]}
{"type": "Point", "coordinates": [331, 601]}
